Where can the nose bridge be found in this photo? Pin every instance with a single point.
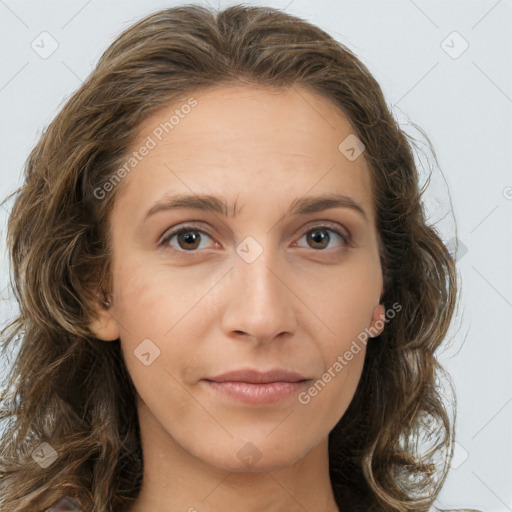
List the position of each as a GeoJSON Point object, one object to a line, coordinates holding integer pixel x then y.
{"type": "Point", "coordinates": [253, 267]}
{"type": "Point", "coordinates": [261, 304]}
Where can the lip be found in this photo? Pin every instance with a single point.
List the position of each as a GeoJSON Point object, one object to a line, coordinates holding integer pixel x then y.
{"type": "Point", "coordinates": [254, 376]}
{"type": "Point", "coordinates": [258, 387]}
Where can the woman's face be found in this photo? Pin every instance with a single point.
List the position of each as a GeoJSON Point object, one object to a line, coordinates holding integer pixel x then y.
{"type": "Point", "coordinates": [264, 282]}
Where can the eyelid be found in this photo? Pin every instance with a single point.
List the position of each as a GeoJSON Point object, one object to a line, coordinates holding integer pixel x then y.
{"type": "Point", "coordinates": [340, 230]}
{"type": "Point", "coordinates": [184, 226]}
{"type": "Point", "coordinates": [335, 226]}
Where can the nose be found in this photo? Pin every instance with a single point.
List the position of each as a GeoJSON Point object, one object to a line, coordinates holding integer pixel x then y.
{"type": "Point", "coordinates": [261, 302]}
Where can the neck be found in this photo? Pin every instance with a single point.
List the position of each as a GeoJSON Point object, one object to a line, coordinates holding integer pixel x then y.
{"type": "Point", "coordinates": [176, 481]}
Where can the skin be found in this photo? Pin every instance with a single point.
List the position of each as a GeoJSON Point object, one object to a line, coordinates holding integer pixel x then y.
{"type": "Point", "coordinates": [297, 305]}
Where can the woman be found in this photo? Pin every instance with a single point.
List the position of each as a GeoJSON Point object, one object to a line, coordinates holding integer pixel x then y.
{"type": "Point", "coordinates": [230, 298]}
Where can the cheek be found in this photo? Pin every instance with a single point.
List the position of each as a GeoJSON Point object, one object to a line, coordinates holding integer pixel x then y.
{"type": "Point", "coordinates": [325, 402]}
{"type": "Point", "coordinates": [345, 310]}
{"type": "Point", "coordinates": [150, 301]}
{"type": "Point", "coordinates": [346, 313]}
{"type": "Point", "coordinates": [159, 318]}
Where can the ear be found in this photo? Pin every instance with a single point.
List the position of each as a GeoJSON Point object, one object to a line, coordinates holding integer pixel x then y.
{"type": "Point", "coordinates": [104, 325]}
{"type": "Point", "coordinates": [378, 320]}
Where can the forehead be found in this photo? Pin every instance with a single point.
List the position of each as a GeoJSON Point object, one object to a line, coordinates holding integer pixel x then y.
{"type": "Point", "coordinates": [234, 114]}
{"type": "Point", "coordinates": [242, 137]}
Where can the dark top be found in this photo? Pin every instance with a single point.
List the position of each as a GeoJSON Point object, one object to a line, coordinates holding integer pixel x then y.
{"type": "Point", "coordinates": [65, 504]}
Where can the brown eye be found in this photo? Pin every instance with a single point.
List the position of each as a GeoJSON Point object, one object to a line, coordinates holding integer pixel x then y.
{"type": "Point", "coordinates": [188, 239]}
{"type": "Point", "coordinates": [319, 237]}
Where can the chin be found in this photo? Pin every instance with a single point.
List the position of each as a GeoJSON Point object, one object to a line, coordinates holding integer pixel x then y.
{"type": "Point", "coordinates": [252, 455]}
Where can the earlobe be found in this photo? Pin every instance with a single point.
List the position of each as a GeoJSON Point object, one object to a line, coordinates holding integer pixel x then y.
{"type": "Point", "coordinates": [378, 320]}
{"type": "Point", "coordinates": [104, 326]}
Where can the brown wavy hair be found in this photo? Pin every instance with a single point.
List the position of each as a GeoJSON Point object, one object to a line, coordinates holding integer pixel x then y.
{"type": "Point", "coordinates": [391, 449]}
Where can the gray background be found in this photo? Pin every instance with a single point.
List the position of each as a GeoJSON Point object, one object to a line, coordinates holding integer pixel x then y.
{"type": "Point", "coordinates": [461, 98]}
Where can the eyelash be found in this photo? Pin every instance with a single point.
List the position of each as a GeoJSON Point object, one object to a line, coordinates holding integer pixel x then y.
{"type": "Point", "coordinates": [346, 240]}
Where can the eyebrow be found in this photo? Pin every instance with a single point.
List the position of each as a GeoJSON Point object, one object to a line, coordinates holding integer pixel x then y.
{"type": "Point", "coordinates": [214, 204]}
